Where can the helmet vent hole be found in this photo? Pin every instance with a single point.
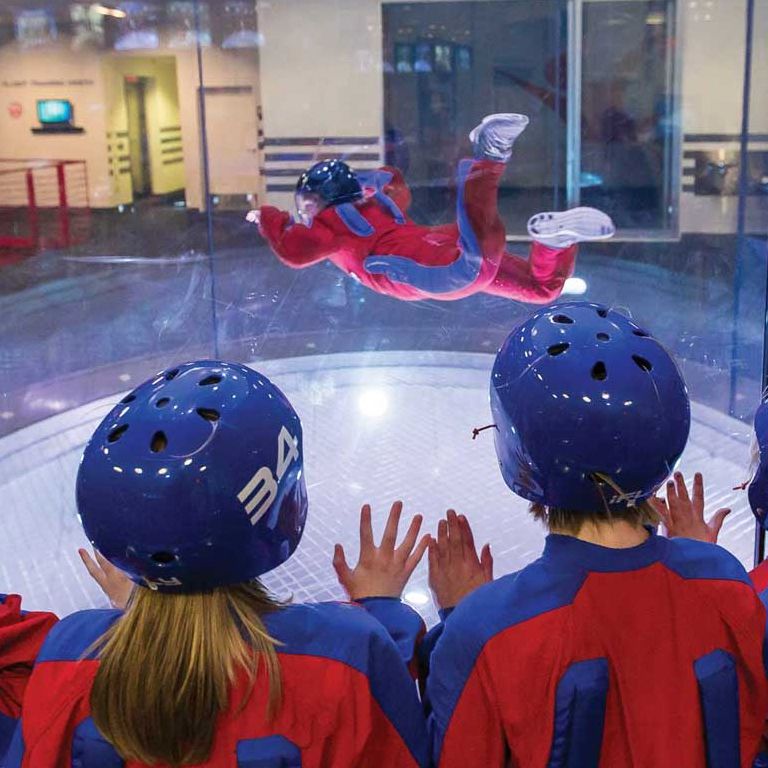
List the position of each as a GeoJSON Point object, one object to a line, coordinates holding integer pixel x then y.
{"type": "Point", "coordinates": [642, 363]}
{"type": "Point", "coordinates": [162, 402]}
{"type": "Point", "coordinates": [117, 433]}
{"type": "Point", "coordinates": [127, 399]}
{"type": "Point", "coordinates": [209, 414]}
{"type": "Point", "coordinates": [209, 381]}
{"type": "Point", "coordinates": [640, 332]}
{"type": "Point", "coordinates": [603, 337]}
{"type": "Point", "coordinates": [599, 372]}
{"type": "Point", "coordinates": [171, 375]}
{"type": "Point", "coordinates": [603, 312]}
{"type": "Point", "coordinates": [159, 442]}
{"type": "Point", "coordinates": [558, 349]}
{"type": "Point", "coordinates": [562, 320]}
{"type": "Point", "coordinates": [163, 558]}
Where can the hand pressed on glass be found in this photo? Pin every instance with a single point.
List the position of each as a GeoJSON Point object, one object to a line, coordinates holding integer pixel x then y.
{"type": "Point", "coordinates": [683, 516]}
{"type": "Point", "coordinates": [381, 571]}
{"type": "Point", "coordinates": [455, 570]}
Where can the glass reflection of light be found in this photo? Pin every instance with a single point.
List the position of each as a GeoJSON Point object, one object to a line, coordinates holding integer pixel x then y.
{"type": "Point", "coordinates": [187, 462]}
{"type": "Point", "coordinates": [117, 469]}
{"type": "Point", "coordinates": [416, 597]}
{"type": "Point", "coordinates": [138, 470]}
{"type": "Point", "coordinates": [162, 471]}
{"type": "Point", "coordinates": [575, 286]}
{"type": "Point", "coordinates": [373, 402]}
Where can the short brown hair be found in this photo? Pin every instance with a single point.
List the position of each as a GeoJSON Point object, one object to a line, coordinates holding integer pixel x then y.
{"type": "Point", "coordinates": [571, 520]}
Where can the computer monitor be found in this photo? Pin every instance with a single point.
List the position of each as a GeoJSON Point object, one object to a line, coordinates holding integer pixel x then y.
{"type": "Point", "coordinates": [54, 112]}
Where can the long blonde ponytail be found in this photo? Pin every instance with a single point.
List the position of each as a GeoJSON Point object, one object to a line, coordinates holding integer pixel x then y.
{"type": "Point", "coordinates": [167, 668]}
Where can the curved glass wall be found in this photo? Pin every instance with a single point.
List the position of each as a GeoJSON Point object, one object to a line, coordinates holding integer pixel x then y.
{"type": "Point", "coordinates": [137, 135]}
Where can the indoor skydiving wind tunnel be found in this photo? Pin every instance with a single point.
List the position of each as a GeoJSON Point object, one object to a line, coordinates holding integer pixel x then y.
{"type": "Point", "coordinates": [136, 137]}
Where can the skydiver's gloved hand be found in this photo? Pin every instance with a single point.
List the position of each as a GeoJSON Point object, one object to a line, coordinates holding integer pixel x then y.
{"type": "Point", "coordinates": [254, 217]}
{"type": "Point", "coordinates": [113, 582]}
{"type": "Point", "coordinates": [455, 570]}
{"type": "Point", "coordinates": [562, 229]}
{"type": "Point", "coordinates": [683, 516]}
{"type": "Point", "coordinates": [381, 571]}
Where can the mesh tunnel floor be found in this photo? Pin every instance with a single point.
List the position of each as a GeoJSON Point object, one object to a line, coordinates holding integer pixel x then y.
{"type": "Point", "coordinates": [377, 427]}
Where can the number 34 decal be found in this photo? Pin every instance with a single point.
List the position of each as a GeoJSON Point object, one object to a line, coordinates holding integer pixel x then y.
{"type": "Point", "coordinates": [260, 491]}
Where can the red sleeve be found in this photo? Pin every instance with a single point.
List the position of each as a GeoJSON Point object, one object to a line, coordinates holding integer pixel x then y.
{"type": "Point", "coordinates": [397, 189]}
{"type": "Point", "coordinates": [21, 635]}
{"type": "Point", "coordinates": [759, 577]}
{"type": "Point", "coordinates": [294, 244]}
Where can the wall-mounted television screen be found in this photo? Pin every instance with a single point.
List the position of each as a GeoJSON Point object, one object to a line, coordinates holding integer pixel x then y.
{"type": "Point", "coordinates": [54, 112]}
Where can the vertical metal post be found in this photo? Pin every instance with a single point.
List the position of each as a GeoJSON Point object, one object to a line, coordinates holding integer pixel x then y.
{"type": "Point", "coordinates": [741, 237]}
{"type": "Point", "coordinates": [206, 179]}
{"type": "Point", "coordinates": [34, 224]}
{"type": "Point", "coordinates": [63, 208]}
{"type": "Point", "coordinates": [573, 159]}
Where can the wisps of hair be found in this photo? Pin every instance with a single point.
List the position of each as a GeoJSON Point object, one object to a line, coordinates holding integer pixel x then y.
{"type": "Point", "coordinates": [571, 521]}
{"type": "Point", "coordinates": [168, 666]}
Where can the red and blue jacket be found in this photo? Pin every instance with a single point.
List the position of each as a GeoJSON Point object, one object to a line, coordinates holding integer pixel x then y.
{"type": "Point", "coordinates": [652, 656]}
{"type": "Point", "coordinates": [21, 635]}
{"type": "Point", "coordinates": [348, 699]}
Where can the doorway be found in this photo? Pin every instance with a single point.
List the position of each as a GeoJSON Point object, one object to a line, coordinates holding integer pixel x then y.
{"type": "Point", "coordinates": [135, 89]}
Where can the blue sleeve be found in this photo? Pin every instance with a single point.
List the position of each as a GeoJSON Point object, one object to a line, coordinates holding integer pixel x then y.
{"type": "Point", "coordinates": [15, 753]}
{"type": "Point", "coordinates": [8, 726]}
{"type": "Point", "coordinates": [350, 634]}
{"type": "Point", "coordinates": [403, 624]}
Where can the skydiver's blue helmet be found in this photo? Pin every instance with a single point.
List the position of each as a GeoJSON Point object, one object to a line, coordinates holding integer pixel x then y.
{"type": "Point", "coordinates": [333, 181]}
{"type": "Point", "coordinates": [195, 480]}
{"type": "Point", "coordinates": [758, 487]}
{"type": "Point", "coordinates": [577, 391]}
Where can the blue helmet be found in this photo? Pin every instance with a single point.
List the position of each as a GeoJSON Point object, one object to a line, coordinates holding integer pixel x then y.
{"type": "Point", "coordinates": [758, 487]}
{"type": "Point", "coordinates": [579, 389]}
{"type": "Point", "coordinates": [195, 480]}
{"type": "Point", "coordinates": [332, 180]}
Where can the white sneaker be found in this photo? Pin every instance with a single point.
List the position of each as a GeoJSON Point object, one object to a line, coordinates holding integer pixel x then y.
{"type": "Point", "coordinates": [565, 228]}
{"type": "Point", "coordinates": [494, 137]}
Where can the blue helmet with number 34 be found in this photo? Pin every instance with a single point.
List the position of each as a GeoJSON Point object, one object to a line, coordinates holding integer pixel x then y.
{"type": "Point", "coordinates": [195, 479]}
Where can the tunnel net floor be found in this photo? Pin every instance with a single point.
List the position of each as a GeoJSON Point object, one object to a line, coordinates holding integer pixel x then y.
{"type": "Point", "coordinates": [377, 427]}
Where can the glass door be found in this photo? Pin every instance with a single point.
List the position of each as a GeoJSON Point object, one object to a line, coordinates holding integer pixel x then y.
{"type": "Point", "coordinates": [446, 65]}
{"type": "Point", "coordinates": [625, 140]}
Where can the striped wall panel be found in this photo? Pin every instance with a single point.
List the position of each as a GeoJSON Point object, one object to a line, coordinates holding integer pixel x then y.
{"type": "Point", "coordinates": [171, 148]}
{"type": "Point", "coordinates": [285, 158]}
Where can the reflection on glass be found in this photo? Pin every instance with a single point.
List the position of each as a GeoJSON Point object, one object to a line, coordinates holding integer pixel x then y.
{"type": "Point", "coordinates": [626, 109]}
{"type": "Point", "coordinates": [181, 25]}
{"type": "Point", "coordinates": [35, 28]}
{"type": "Point", "coordinates": [240, 23]}
{"type": "Point", "coordinates": [87, 25]}
{"type": "Point", "coordinates": [137, 29]}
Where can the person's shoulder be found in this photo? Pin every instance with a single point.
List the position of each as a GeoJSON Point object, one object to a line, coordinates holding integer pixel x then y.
{"type": "Point", "coordinates": [72, 637]}
{"type": "Point", "coordinates": [339, 631]}
{"type": "Point", "coordinates": [691, 559]}
{"type": "Point", "coordinates": [514, 599]}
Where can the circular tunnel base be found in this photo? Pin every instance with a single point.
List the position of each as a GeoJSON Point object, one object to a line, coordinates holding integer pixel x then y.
{"type": "Point", "coordinates": [378, 427]}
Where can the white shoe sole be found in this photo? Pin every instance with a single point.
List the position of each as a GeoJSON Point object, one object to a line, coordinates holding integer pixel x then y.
{"type": "Point", "coordinates": [520, 122]}
{"type": "Point", "coordinates": [579, 224]}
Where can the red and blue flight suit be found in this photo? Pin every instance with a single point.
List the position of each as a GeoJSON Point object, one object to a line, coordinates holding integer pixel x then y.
{"type": "Point", "coordinates": [360, 708]}
{"type": "Point", "coordinates": [373, 240]}
{"type": "Point", "coordinates": [648, 656]}
{"type": "Point", "coordinates": [348, 698]}
{"type": "Point", "coordinates": [21, 636]}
